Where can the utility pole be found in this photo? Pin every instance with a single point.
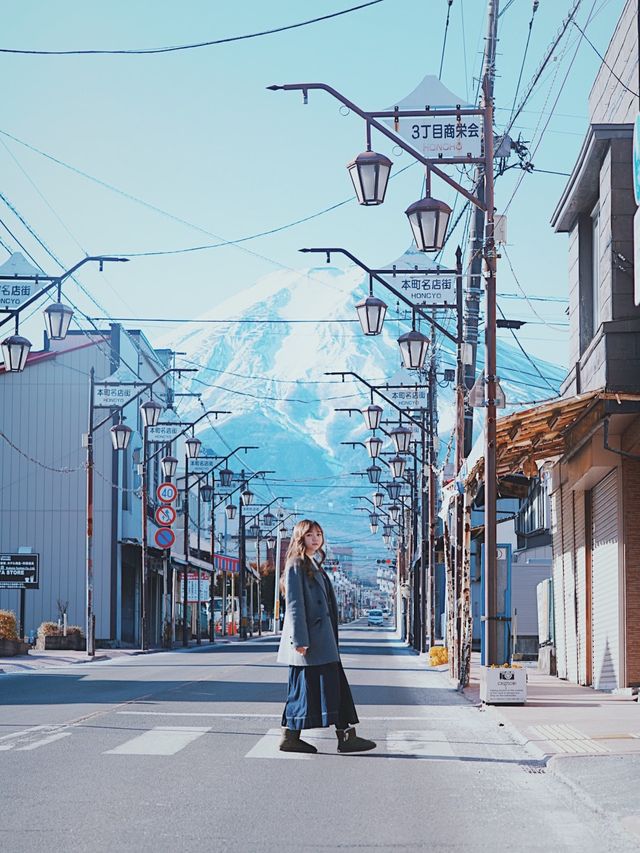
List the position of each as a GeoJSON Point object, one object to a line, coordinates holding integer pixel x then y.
{"type": "Point", "coordinates": [476, 232]}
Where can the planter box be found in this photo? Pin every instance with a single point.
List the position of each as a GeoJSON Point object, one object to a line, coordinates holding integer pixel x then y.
{"type": "Point", "coordinates": [10, 648]}
{"type": "Point", "coordinates": [503, 685]}
{"type": "Point", "coordinates": [72, 642]}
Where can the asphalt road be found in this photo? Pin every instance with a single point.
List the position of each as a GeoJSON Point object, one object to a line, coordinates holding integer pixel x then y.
{"type": "Point", "coordinates": [178, 752]}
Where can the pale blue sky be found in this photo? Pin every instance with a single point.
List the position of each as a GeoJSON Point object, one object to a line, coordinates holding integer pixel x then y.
{"type": "Point", "coordinates": [196, 134]}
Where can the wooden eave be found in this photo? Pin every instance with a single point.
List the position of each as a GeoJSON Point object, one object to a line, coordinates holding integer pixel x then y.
{"type": "Point", "coordinates": [550, 430]}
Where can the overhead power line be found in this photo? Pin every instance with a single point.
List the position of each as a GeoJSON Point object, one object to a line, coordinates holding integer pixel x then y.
{"type": "Point", "coordinates": [194, 46]}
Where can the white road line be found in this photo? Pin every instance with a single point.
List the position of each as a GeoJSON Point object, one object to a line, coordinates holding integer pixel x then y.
{"type": "Point", "coordinates": [161, 740]}
{"type": "Point", "coordinates": [44, 741]}
{"type": "Point", "coordinates": [14, 735]}
{"type": "Point", "coordinates": [239, 716]}
{"type": "Point", "coordinates": [267, 747]}
{"type": "Point", "coordinates": [429, 744]}
{"type": "Point", "coordinates": [198, 714]}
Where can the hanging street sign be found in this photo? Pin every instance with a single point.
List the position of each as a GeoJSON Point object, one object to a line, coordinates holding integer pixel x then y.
{"type": "Point", "coordinates": [166, 493]}
{"type": "Point", "coordinates": [164, 433]}
{"type": "Point", "coordinates": [201, 464]}
{"type": "Point", "coordinates": [406, 388]}
{"type": "Point", "coordinates": [115, 390]}
{"type": "Point", "coordinates": [14, 293]}
{"type": "Point", "coordinates": [446, 137]}
{"type": "Point", "coordinates": [19, 571]}
{"type": "Point", "coordinates": [424, 290]}
{"type": "Point", "coordinates": [165, 515]}
{"type": "Point", "coordinates": [164, 537]}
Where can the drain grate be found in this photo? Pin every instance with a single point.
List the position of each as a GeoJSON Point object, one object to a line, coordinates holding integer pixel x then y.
{"type": "Point", "coordinates": [534, 768]}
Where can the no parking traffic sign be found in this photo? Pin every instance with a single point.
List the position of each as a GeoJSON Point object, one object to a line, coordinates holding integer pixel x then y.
{"type": "Point", "coordinates": [164, 537]}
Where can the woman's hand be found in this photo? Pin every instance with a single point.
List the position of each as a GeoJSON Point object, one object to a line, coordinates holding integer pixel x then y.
{"type": "Point", "coordinates": [302, 650]}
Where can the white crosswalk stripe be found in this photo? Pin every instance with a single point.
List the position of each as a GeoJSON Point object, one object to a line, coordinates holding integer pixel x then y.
{"type": "Point", "coordinates": [267, 747]}
{"type": "Point", "coordinates": [421, 744]}
{"type": "Point", "coordinates": [46, 740]}
{"type": "Point", "coordinates": [161, 740]}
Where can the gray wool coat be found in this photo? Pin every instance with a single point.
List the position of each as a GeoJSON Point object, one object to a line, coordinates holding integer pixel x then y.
{"type": "Point", "coordinates": [311, 617]}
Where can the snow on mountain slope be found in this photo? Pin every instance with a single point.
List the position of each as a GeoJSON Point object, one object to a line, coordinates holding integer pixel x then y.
{"type": "Point", "coordinates": [269, 370]}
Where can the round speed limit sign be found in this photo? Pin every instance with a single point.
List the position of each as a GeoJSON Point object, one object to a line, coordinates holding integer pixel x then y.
{"type": "Point", "coordinates": [166, 493]}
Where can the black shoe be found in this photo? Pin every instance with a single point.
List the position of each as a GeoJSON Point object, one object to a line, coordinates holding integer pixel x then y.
{"type": "Point", "coordinates": [349, 741]}
{"type": "Point", "coordinates": [291, 742]}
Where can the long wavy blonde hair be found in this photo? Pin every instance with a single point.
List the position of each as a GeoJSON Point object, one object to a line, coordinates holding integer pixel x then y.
{"type": "Point", "coordinates": [297, 549]}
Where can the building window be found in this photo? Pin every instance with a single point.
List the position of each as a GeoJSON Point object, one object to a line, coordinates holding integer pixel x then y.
{"type": "Point", "coordinates": [595, 269]}
{"type": "Point", "coordinates": [589, 276]}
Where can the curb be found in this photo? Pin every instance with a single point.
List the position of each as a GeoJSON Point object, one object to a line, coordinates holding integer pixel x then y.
{"type": "Point", "coordinates": [554, 765]}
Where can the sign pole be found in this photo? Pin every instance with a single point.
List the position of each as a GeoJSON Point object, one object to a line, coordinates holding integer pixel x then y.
{"type": "Point", "coordinates": [185, 579]}
{"type": "Point", "coordinates": [212, 587]}
{"type": "Point", "coordinates": [22, 604]}
{"type": "Point", "coordinates": [198, 640]}
{"type": "Point", "coordinates": [144, 636]}
{"type": "Point", "coordinates": [91, 649]}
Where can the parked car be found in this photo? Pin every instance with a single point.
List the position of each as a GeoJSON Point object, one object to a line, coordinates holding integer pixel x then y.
{"type": "Point", "coordinates": [375, 617]}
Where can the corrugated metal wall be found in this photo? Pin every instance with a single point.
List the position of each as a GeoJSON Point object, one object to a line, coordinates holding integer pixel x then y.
{"type": "Point", "coordinates": [44, 414]}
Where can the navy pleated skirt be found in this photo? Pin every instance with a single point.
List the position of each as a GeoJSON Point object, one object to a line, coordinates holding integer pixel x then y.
{"type": "Point", "coordinates": [318, 696]}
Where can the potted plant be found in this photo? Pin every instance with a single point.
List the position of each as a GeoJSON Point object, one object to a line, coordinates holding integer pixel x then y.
{"type": "Point", "coordinates": [10, 644]}
{"type": "Point", "coordinates": [51, 636]}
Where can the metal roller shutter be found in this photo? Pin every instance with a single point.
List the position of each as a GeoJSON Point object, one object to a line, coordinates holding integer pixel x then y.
{"type": "Point", "coordinates": [558, 585]}
{"type": "Point", "coordinates": [605, 584]}
{"type": "Point", "coordinates": [571, 634]}
{"type": "Point", "coordinates": [581, 587]}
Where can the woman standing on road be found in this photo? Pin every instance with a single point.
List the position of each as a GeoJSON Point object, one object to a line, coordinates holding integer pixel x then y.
{"type": "Point", "coordinates": [318, 694]}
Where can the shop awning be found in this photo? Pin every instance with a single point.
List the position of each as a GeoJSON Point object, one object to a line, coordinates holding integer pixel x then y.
{"type": "Point", "coordinates": [530, 436]}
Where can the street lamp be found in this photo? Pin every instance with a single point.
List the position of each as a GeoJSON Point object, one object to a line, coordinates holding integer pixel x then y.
{"type": "Point", "coordinates": [15, 351]}
{"type": "Point", "coordinates": [150, 411]}
{"type": "Point", "coordinates": [247, 497]}
{"type": "Point", "coordinates": [169, 466]}
{"type": "Point", "coordinates": [394, 512]}
{"type": "Point", "coordinates": [428, 218]}
{"type": "Point", "coordinates": [57, 318]}
{"type": "Point", "coordinates": [374, 446]}
{"type": "Point", "coordinates": [226, 477]}
{"type": "Point", "coordinates": [271, 543]}
{"type": "Point", "coordinates": [192, 445]}
{"type": "Point", "coordinates": [413, 348]}
{"type": "Point", "coordinates": [386, 539]}
{"type": "Point", "coordinates": [393, 490]}
{"type": "Point", "coordinates": [372, 416]}
{"type": "Point", "coordinates": [401, 437]}
{"type": "Point", "coordinates": [230, 510]}
{"type": "Point", "coordinates": [374, 472]}
{"type": "Point", "coordinates": [120, 436]}
{"type": "Point", "coordinates": [378, 498]}
{"type": "Point", "coordinates": [268, 519]}
{"type": "Point", "coordinates": [371, 312]}
{"type": "Point", "coordinates": [206, 493]}
{"type": "Point", "coordinates": [397, 465]}
{"type": "Point", "coordinates": [369, 172]}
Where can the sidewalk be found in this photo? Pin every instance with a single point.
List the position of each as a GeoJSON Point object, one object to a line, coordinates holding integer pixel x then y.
{"type": "Point", "coordinates": [589, 739]}
{"type": "Point", "coordinates": [47, 660]}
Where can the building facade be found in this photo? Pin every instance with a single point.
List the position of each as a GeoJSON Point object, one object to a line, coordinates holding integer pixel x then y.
{"type": "Point", "coordinates": [595, 498]}
{"type": "Point", "coordinates": [43, 459]}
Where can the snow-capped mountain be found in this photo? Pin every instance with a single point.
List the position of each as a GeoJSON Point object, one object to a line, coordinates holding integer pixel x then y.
{"type": "Point", "coordinates": [263, 355]}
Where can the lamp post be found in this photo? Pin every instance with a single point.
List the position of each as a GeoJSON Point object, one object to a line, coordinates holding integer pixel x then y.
{"type": "Point", "coordinates": [15, 348]}
{"type": "Point", "coordinates": [150, 412]}
{"type": "Point", "coordinates": [120, 435]}
{"type": "Point", "coordinates": [428, 219]}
